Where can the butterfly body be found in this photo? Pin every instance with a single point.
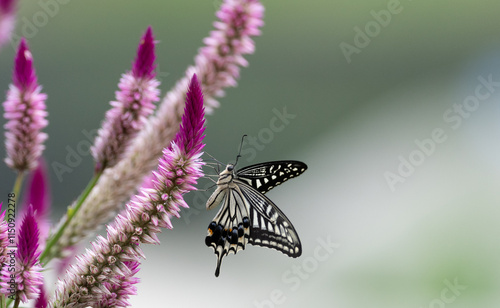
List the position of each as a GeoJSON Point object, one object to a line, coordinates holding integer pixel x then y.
{"type": "Point", "coordinates": [247, 215]}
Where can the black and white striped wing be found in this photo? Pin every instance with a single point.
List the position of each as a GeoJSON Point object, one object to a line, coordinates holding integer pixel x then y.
{"type": "Point", "coordinates": [265, 176]}
{"type": "Point", "coordinates": [269, 226]}
{"type": "Point", "coordinates": [246, 215]}
{"type": "Point", "coordinates": [230, 229]}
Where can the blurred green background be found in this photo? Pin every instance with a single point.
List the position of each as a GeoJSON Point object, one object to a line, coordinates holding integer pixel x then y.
{"type": "Point", "coordinates": [431, 241]}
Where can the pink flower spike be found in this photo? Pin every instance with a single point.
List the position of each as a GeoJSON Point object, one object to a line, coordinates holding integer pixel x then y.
{"type": "Point", "coordinates": [38, 190]}
{"type": "Point", "coordinates": [7, 5]}
{"type": "Point", "coordinates": [109, 281]}
{"type": "Point", "coordinates": [27, 272]}
{"type": "Point", "coordinates": [133, 105]}
{"type": "Point", "coordinates": [26, 114]}
{"type": "Point", "coordinates": [217, 63]}
{"type": "Point", "coordinates": [24, 76]}
{"type": "Point", "coordinates": [7, 19]}
{"type": "Point", "coordinates": [144, 67]}
{"type": "Point", "coordinates": [42, 301]}
{"type": "Point", "coordinates": [38, 196]}
{"type": "Point", "coordinates": [192, 126]}
{"type": "Point", "coordinates": [28, 239]}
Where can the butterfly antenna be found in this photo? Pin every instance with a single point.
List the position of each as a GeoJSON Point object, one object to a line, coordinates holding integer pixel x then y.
{"type": "Point", "coordinates": [215, 159]}
{"type": "Point", "coordinates": [216, 170]}
{"type": "Point", "coordinates": [218, 162]}
{"type": "Point", "coordinates": [211, 165]}
{"type": "Point", "coordinates": [239, 152]}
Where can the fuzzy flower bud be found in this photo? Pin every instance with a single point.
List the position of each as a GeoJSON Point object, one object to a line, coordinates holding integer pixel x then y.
{"type": "Point", "coordinates": [26, 114]}
{"type": "Point", "coordinates": [134, 103]}
{"type": "Point", "coordinates": [38, 196]}
{"type": "Point", "coordinates": [27, 272]}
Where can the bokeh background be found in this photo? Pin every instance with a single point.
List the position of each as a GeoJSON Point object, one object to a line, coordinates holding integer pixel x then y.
{"type": "Point", "coordinates": [428, 240]}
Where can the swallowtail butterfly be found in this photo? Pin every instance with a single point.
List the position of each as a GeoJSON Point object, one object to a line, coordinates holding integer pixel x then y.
{"type": "Point", "coordinates": [247, 215]}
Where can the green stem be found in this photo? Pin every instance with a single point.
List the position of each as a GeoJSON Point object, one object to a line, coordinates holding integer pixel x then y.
{"type": "Point", "coordinates": [9, 302]}
{"type": "Point", "coordinates": [17, 185]}
{"type": "Point", "coordinates": [72, 210]}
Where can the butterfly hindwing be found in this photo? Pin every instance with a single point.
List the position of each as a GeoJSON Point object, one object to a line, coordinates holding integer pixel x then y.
{"type": "Point", "coordinates": [265, 176]}
{"type": "Point", "coordinates": [269, 225]}
{"type": "Point", "coordinates": [230, 229]}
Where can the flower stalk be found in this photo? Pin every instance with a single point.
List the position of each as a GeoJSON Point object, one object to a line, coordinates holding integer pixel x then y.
{"type": "Point", "coordinates": [47, 253]}
{"type": "Point", "coordinates": [134, 103]}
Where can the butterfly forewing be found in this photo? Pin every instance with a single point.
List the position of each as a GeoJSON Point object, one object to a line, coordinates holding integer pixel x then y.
{"type": "Point", "coordinates": [265, 176]}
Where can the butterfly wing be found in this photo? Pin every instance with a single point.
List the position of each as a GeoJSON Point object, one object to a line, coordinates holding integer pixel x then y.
{"type": "Point", "coordinates": [230, 229]}
{"type": "Point", "coordinates": [269, 225]}
{"type": "Point", "coordinates": [265, 176]}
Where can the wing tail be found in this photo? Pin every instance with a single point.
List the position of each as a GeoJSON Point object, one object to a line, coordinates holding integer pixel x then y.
{"type": "Point", "coordinates": [230, 229]}
{"type": "Point", "coordinates": [220, 255]}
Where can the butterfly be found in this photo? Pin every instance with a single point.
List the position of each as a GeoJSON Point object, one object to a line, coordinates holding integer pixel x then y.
{"type": "Point", "coordinates": [247, 215]}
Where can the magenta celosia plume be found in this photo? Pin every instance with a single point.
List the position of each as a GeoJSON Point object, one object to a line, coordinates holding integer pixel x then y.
{"type": "Point", "coordinates": [38, 190]}
{"type": "Point", "coordinates": [218, 63]}
{"type": "Point", "coordinates": [27, 272]}
{"type": "Point", "coordinates": [26, 114]}
{"type": "Point", "coordinates": [134, 103]}
{"type": "Point", "coordinates": [42, 301]}
{"type": "Point", "coordinates": [7, 5]}
{"type": "Point", "coordinates": [192, 125]}
{"type": "Point", "coordinates": [28, 239]}
{"type": "Point", "coordinates": [143, 66]}
{"type": "Point", "coordinates": [38, 196]}
{"type": "Point", "coordinates": [107, 269]}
